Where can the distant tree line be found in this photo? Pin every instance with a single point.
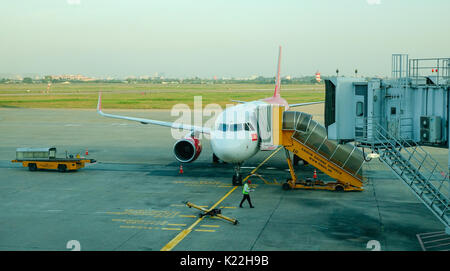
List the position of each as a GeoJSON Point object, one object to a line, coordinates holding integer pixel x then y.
{"type": "Point", "coordinates": [159, 80]}
{"type": "Point", "coordinates": [197, 80]}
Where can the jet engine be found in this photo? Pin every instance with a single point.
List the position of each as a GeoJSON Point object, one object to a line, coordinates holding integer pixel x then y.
{"type": "Point", "coordinates": [187, 150]}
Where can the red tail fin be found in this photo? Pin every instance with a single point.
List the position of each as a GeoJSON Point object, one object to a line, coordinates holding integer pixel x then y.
{"type": "Point", "coordinates": [278, 81]}
{"type": "Point", "coordinates": [99, 103]}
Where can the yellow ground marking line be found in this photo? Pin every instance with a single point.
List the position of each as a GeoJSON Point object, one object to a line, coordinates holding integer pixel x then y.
{"type": "Point", "coordinates": [139, 227]}
{"type": "Point", "coordinates": [188, 216]}
{"type": "Point", "coordinates": [259, 176]}
{"type": "Point", "coordinates": [206, 230]}
{"type": "Point", "coordinates": [169, 246]}
{"type": "Point", "coordinates": [210, 226]}
{"type": "Point", "coordinates": [262, 163]}
{"type": "Point", "coordinates": [182, 225]}
{"type": "Point", "coordinates": [177, 205]}
{"type": "Point", "coordinates": [171, 229]}
{"type": "Point", "coordinates": [172, 243]}
{"type": "Point", "coordinates": [227, 207]}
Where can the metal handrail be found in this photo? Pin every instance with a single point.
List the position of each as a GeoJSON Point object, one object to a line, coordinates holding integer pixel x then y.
{"type": "Point", "coordinates": [355, 174]}
{"type": "Point", "coordinates": [427, 182]}
{"type": "Point", "coordinates": [402, 142]}
{"type": "Point", "coordinates": [430, 187]}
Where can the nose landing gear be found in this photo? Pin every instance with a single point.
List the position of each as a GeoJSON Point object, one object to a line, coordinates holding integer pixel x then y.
{"type": "Point", "coordinates": [237, 177]}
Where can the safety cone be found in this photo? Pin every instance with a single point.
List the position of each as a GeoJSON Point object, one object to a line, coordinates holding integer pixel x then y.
{"type": "Point", "coordinates": [87, 153]}
{"type": "Point", "coordinates": [315, 174]}
{"type": "Point", "coordinates": [181, 169]}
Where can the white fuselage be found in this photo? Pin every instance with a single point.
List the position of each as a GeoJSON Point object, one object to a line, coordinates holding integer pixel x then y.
{"type": "Point", "coordinates": [234, 137]}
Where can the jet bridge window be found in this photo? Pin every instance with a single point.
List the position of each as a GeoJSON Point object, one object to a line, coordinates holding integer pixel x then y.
{"type": "Point", "coordinates": [359, 109]}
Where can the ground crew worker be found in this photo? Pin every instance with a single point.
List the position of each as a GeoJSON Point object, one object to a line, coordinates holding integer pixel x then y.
{"type": "Point", "coordinates": [245, 192]}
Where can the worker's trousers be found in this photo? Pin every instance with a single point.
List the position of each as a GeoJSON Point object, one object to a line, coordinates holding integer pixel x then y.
{"type": "Point", "coordinates": [246, 197]}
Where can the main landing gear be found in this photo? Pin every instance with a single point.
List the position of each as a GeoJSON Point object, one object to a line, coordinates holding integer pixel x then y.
{"type": "Point", "coordinates": [237, 177]}
{"type": "Point", "coordinates": [215, 159]}
{"type": "Point", "coordinates": [298, 159]}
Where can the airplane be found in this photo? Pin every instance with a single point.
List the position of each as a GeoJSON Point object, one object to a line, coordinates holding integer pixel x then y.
{"type": "Point", "coordinates": [234, 137]}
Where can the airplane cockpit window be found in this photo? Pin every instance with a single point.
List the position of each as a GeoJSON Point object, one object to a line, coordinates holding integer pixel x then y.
{"type": "Point", "coordinates": [222, 127]}
{"type": "Point", "coordinates": [248, 127]}
{"type": "Point", "coordinates": [236, 127]}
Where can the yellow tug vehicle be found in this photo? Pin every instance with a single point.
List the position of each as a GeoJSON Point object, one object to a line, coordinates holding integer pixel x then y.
{"type": "Point", "coordinates": [45, 158]}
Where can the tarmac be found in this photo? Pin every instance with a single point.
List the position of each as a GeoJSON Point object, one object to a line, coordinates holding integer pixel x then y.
{"type": "Point", "coordinates": [132, 198]}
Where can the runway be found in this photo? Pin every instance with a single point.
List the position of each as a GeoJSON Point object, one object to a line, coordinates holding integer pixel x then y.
{"type": "Point", "coordinates": [131, 199]}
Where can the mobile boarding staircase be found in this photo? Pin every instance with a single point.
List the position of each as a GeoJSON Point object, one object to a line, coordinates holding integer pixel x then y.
{"type": "Point", "coordinates": [413, 165]}
{"type": "Point", "coordinates": [410, 162]}
{"type": "Point", "coordinates": [308, 140]}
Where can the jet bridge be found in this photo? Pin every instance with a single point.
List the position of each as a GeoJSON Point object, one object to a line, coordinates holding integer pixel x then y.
{"type": "Point", "coordinates": [394, 118]}
{"type": "Point", "coordinates": [413, 104]}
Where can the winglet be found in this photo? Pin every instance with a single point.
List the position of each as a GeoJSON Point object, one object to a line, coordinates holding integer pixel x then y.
{"type": "Point", "coordinates": [99, 104]}
{"type": "Point", "coordinates": [278, 81]}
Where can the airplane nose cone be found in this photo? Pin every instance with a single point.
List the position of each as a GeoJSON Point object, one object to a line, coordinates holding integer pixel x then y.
{"type": "Point", "coordinates": [232, 150]}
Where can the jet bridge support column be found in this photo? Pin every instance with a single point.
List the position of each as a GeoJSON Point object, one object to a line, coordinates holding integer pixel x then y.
{"type": "Point", "coordinates": [447, 228]}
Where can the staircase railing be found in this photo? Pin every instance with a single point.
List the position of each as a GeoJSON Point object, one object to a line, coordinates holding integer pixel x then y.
{"type": "Point", "coordinates": [412, 164]}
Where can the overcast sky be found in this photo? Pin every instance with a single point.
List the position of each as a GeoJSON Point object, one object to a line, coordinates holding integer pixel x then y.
{"type": "Point", "coordinates": [231, 38]}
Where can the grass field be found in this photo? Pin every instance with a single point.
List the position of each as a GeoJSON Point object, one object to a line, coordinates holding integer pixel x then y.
{"type": "Point", "coordinates": [145, 96]}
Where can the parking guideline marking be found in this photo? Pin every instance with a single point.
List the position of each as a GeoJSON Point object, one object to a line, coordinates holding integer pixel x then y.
{"type": "Point", "coordinates": [175, 241]}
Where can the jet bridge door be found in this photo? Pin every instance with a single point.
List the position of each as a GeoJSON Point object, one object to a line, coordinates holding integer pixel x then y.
{"type": "Point", "coordinates": [360, 110]}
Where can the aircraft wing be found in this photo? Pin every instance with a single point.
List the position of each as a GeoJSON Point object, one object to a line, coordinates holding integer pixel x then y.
{"type": "Point", "coordinates": [302, 104]}
{"type": "Point", "coordinates": [236, 101]}
{"type": "Point", "coordinates": [199, 129]}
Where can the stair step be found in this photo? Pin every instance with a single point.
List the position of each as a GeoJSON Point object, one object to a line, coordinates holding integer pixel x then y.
{"type": "Point", "coordinates": [408, 167]}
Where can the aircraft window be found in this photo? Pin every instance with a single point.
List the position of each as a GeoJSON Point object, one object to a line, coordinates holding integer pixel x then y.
{"type": "Point", "coordinates": [222, 127]}
{"type": "Point", "coordinates": [248, 127]}
{"type": "Point", "coordinates": [236, 127]}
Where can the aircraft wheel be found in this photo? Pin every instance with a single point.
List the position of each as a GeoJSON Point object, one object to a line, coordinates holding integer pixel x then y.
{"type": "Point", "coordinates": [296, 160]}
{"type": "Point", "coordinates": [237, 180]}
{"type": "Point", "coordinates": [215, 159]}
{"type": "Point", "coordinates": [286, 186]}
